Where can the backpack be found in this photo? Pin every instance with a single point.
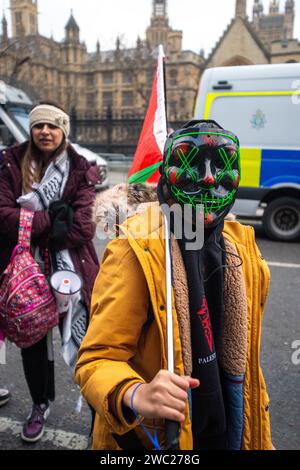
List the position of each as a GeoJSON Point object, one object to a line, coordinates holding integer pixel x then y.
{"type": "Point", "coordinates": [27, 306]}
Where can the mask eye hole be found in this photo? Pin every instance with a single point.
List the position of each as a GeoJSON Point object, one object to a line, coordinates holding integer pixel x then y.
{"type": "Point", "coordinates": [184, 156]}
{"type": "Point", "coordinates": [227, 162]}
{"type": "Point", "coordinates": [181, 178]}
{"type": "Point", "coordinates": [218, 159]}
{"type": "Point", "coordinates": [180, 154]}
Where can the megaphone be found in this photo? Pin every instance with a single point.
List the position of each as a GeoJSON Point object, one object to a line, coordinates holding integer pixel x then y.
{"type": "Point", "coordinates": [66, 285]}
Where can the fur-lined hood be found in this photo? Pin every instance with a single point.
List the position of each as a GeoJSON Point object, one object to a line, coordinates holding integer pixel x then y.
{"type": "Point", "coordinates": [113, 206]}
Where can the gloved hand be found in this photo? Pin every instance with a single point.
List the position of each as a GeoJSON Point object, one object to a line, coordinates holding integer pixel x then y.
{"type": "Point", "coordinates": [61, 215]}
{"type": "Point", "coordinates": [62, 211]}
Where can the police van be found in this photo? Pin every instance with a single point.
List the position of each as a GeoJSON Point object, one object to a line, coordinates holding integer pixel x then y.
{"type": "Point", "coordinates": [261, 105]}
{"type": "Point", "coordinates": [15, 106]}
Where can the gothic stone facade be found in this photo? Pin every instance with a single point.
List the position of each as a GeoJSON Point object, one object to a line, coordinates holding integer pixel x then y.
{"type": "Point", "coordinates": [107, 91]}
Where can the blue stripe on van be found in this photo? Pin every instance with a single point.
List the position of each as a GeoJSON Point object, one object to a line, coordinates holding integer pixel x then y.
{"type": "Point", "coordinates": [280, 166]}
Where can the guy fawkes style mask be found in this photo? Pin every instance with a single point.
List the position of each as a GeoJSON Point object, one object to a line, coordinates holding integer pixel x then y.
{"type": "Point", "coordinates": [202, 167]}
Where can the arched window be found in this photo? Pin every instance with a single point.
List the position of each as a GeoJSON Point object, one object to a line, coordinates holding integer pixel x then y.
{"type": "Point", "coordinates": [237, 60]}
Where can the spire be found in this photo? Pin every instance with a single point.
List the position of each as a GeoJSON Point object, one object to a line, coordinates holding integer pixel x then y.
{"type": "Point", "coordinates": [118, 48]}
{"type": "Point", "coordinates": [71, 24]}
{"type": "Point", "coordinates": [98, 47]}
{"type": "Point", "coordinates": [4, 28]}
{"type": "Point", "coordinates": [72, 30]}
{"type": "Point", "coordinates": [98, 51]}
{"type": "Point", "coordinates": [241, 8]}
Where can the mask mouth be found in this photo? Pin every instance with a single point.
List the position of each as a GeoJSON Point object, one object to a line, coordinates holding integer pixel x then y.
{"type": "Point", "coordinates": [210, 193]}
{"type": "Point", "coordinates": [212, 202]}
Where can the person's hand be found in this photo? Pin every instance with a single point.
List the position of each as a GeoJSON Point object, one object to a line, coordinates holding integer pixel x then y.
{"type": "Point", "coordinates": [165, 397]}
{"type": "Point", "coordinates": [60, 211]}
{"type": "Point", "coordinates": [61, 215]}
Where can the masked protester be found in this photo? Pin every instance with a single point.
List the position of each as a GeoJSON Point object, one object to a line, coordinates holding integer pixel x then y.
{"type": "Point", "coordinates": [219, 290]}
{"type": "Point", "coordinates": [46, 175]}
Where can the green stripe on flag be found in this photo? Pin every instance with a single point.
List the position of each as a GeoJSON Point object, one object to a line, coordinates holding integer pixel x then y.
{"type": "Point", "coordinates": [143, 175]}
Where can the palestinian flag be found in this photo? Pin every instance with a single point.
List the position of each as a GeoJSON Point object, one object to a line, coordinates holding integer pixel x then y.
{"type": "Point", "coordinates": [149, 153]}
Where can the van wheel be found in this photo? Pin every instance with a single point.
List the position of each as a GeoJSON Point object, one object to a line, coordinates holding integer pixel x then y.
{"type": "Point", "coordinates": [281, 219]}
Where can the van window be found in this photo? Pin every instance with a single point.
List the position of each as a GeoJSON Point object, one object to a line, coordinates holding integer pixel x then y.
{"type": "Point", "coordinates": [22, 116]}
{"type": "Point", "coordinates": [259, 121]}
{"type": "Point", "coordinates": [6, 137]}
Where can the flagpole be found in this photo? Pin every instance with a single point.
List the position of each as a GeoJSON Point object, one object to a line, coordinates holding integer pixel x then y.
{"type": "Point", "coordinates": [172, 428]}
{"type": "Point", "coordinates": [161, 52]}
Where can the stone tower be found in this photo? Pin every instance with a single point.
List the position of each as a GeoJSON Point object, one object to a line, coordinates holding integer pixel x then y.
{"type": "Point", "coordinates": [73, 50]}
{"type": "Point", "coordinates": [289, 18]}
{"type": "Point", "coordinates": [159, 8]}
{"type": "Point", "coordinates": [24, 17]}
{"type": "Point", "coordinates": [274, 7]}
{"type": "Point", "coordinates": [276, 25]}
{"type": "Point", "coordinates": [241, 8]}
{"type": "Point", "coordinates": [258, 11]}
{"type": "Point", "coordinates": [72, 30]}
{"type": "Point", "coordinates": [158, 31]}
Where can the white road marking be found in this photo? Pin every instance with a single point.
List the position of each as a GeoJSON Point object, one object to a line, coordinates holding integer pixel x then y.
{"type": "Point", "coordinates": [283, 265]}
{"type": "Point", "coordinates": [56, 437]}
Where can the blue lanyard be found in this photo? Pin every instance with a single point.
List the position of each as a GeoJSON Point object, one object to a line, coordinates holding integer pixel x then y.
{"type": "Point", "coordinates": [154, 439]}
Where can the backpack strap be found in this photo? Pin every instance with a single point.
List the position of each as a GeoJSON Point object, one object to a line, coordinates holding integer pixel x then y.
{"type": "Point", "coordinates": [25, 224]}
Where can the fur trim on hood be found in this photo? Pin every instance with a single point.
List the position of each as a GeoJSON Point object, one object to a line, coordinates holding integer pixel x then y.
{"type": "Point", "coordinates": [113, 206]}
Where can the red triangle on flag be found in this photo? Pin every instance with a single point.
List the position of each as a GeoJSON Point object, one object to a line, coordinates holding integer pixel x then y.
{"type": "Point", "coordinates": [149, 153]}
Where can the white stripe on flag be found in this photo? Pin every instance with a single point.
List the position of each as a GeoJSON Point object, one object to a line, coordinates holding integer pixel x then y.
{"type": "Point", "coordinates": [160, 121]}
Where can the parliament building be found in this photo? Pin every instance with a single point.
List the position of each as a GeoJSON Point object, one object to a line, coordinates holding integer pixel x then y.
{"type": "Point", "coordinates": [107, 91]}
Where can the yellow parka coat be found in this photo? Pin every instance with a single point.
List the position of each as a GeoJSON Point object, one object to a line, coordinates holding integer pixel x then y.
{"type": "Point", "coordinates": [122, 347]}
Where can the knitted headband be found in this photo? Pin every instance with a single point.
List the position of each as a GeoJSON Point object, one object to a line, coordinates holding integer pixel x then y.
{"type": "Point", "coordinates": [49, 114]}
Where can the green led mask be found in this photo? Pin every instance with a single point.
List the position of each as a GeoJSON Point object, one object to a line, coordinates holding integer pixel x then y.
{"type": "Point", "coordinates": [202, 167]}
